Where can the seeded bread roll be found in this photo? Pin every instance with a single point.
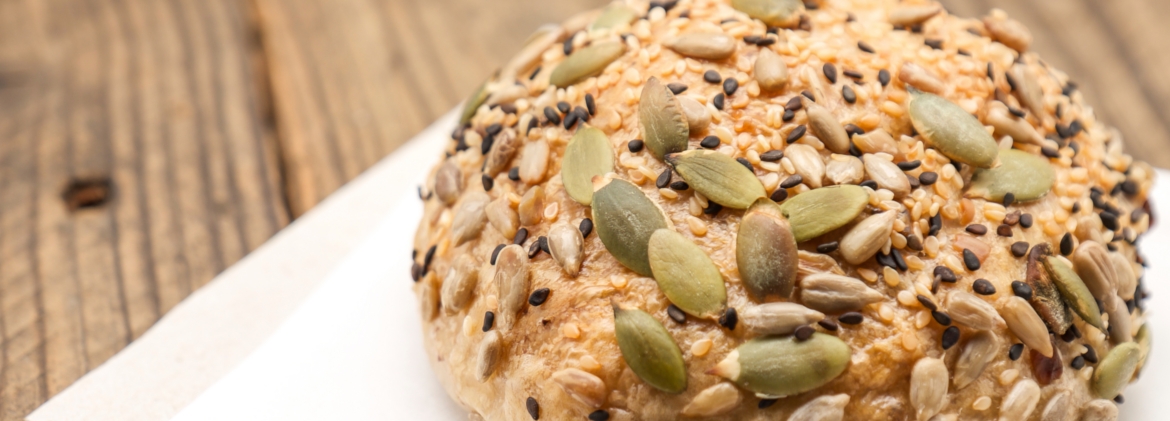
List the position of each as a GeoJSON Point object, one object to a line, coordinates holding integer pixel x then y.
{"type": "Point", "coordinates": [768, 209]}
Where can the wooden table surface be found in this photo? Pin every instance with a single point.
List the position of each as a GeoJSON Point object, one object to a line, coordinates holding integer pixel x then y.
{"type": "Point", "coordinates": [146, 145]}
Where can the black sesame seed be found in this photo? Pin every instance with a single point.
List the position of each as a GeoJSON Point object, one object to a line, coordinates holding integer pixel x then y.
{"type": "Point", "coordinates": [827, 247]}
{"type": "Point", "coordinates": [1026, 220]}
{"type": "Point", "coordinates": [1022, 290]}
{"type": "Point", "coordinates": [415, 268]}
{"type": "Point", "coordinates": [852, 129]}
{"type": "Point", "coordinates": [1016, 351]}
{"type": "Point", "coordinates": [1136, 215]}
{"type": "Point", "coordinates": [779, 195]}
{"type": "Point", "coordinates": [586, 227]}
{"type": "Point", "coordinates": [496, 252]}
{"type": "Point", "coordinates": [950, 337]}
{"type": "Point", "coordinates": [729, 318]}
{"type": "Point", "coordinates": [851, 318]}
{"type": "Point", "coordinates": [869, 183]}
{"type": "Point", "coordinates": [803, 333]}
{"type": "Point", "coordinates": [808, 94]}
{"type": "Point", "coordinates": [636, 145]}
{"type": "Point", "coordinates": [599, 415]}
{"type": "Point", "coordinates": [489, 319]}
{"type": "Point", "coordinates": [1109, 220]}
{"type": "Point", "coordinates": [1078, 362]}
{"type": "Point", "coordinates": [794, 104]}
{"type": "Point", "coordinates": [1016, 111]}
{"type": "Point", "coordinates": [521, 236]}
{"type": "Point", "coordinates": [730, 86]}
{"type": "Point", "coordinates": [970, 261]}
{"type": "Point", "coordinates": [797, 133]}
{"type": "Point", "coordinates": [582, 115]}
{"type": "Point", "coordinates": [1004, 230]}
{"type": "Point", "coordinates": [828, 325]}
{"type": "Point", "coordinates": [853, 74]}
{"type": "Point", "coordinates": [663, 179]}
{"type": "Point", "coordinates": [679, 185]}
{"type": "Point", "coordinates": [909, 165]}
{"type": "Point", "coordinates": [1066, 244]}
{"type": "Point", "coordinates": [564, 107]}
{"type": "Point", "coordinates": [676, 88]}
{"type": "Point", "coordinates": [945, 274]}
{"type": "Point", "coordinates": [427, 258]}
{"type": "Point", "coordinates": [542, 242]}
{"type": "Point", "coordinates": [848, 94]}
{"type": "Point", "coordinates": [1090, 354]}
{"type": "Point", "coordinates": [534, 249]}
{"type": "Point", "coordinates": [922, 299]}
{"type": "Point", "coordinates": [514, 174]}
{"type": "Point", "coordinates": [1009, 199]}
{"type": "Point", "coordinates": [885, 260]}
{"type": "Point", "coordinates": [788, 115]}
{"type": "Point", "coordinates": [963, 52]}
{"type": "Point", "coordinates": [863, 46]}
{"type": "Point", "coordinates": [884, 77]}
{"type": "Point", "coordinates": [590, 104]}
{"type": "Point", "coordinates": [538, 297]}
{"type": "Point", "coordinates": [718, 102]}
{"type": "Point", "coordinates": [712, 76]}
{"type": "Point", "coordinates": [1073, 331]}
{"type": "Point", "coordinates": [941, 318]}
{"type": "Point", "coordinates": [983, 287]}
{"type": "Point", "coordinates": [532, 76]}
{"type": "Point", "coordinates": [494, 129]}
{"type": "Point", "coordinates": [935, 224]}
{"type": "Point", "coordinates": [712, 208]}
{"type": "Point", "coordinates": [765, 403]}
{"type": "Point", "coordinates": [570, 120]}
{"type": "Point", "coordinates": [772, 155]}
{"type": "Point", "coordinates": [830, 72]}
{"type": "Point", "coordinates": [676, 314]}
{"type": "Point", "coordinates": [1129, 187]}
{"type": "Point", "coordinates": [488, 182]}
{"type": "Point", "coordinates": [1019, 248]}
{"type": "Point", "coordinates": [898, 260]}
{"type": "Point", "coordinates": [977, 229]}
{"type": "Point", "coordinates": [792, 181]}
{"type": "Point", "coordinates": [533, 408]}
{"type": "Point", "coordinates": [913, 242]}
{"type": "Point", "coordinates": [710, 142]}
{"type": "Point", "coordinates": [567, 46]}
{"type": "Point", "coordinates": [914, 183]}
{"type": "Point", "coordinates": [1050, 152]}
{"type": "Point", "coordinates": [1119, 399]}
{"type": "Point", "coordinates": [486, 146]}
{"type": "Point", "coordinates": [927, 178]}
{"type": "Point", "coordinates": [934, 43]}
{"type": "Point", "coordinates": [746, 163]}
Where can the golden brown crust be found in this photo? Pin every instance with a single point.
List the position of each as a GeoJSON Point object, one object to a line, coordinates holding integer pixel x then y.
{"type": "Point", "coordinates": [574, 329]}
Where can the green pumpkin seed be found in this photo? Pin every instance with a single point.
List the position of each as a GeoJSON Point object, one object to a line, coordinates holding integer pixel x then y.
{"type": "Point", "coordinates": [616, 15]}
{"type": "Point", "coordinates": [1116, 370]}
{"type": "Point", "coordinates": [1028, 177]}
{"type": "Point", "coordinates": [473, 102]}
{"type": "Point", "coordinates": [765, 251]}
{"type": "Point", "coordinates": [782, 13]}
{"type": "Point", "coordinates": [587, 155]}
{"type": "Point", "coordinates": [951, 130]}
{"type": "Point", "coordinates": [664, 125]}
{"type": "Point", "coordinates": [686, 274]}
{"type": "Point", "coordinates": [718, 177]}
{"type": "Point", "coordinates": [818, 211]}
{"type": "Point", "coordinates": [625, 219]}
{"type": "Point", "coordinates": [1074, 291]}
{"type": "Point", "coordinates": [586, 62]}
{"type": "Point", "coordinates": [782, 366]}
{"type": "Point", "coordinates": [1142, 338]}
{"type": "Point", "coordinates": [649, 350]}
{"type": "Point", "coordinates": [1046, 299]}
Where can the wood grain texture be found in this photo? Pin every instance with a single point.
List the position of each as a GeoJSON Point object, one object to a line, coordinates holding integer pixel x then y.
{"type": "Point", "coordinates": [219, 120]}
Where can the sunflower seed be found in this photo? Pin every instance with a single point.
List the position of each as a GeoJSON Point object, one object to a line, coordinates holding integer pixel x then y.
{"type": "Point", "coordinates": [971, 311]}
{"type": "Point", "coordinates": [915, 76]}
{"type": "Point", "coordinates": [867, 237]}
{"type": "Point", "coordinates": [980, 349]}
{"type": "Point", "coordinates": [1058, 408]}
{"type": "Point", "coordinates": [952, 131]}
{"type": "Point", "coordinates": [534, 162]}
{"type": "Point", "coordinates": [824, 408]}
{"type": "Point", "coordinates": [582, 386]}
{"type": "Point", "coordinates": [698, 118]}
{"type": "Point", "coordinates": [887, 175]}
{"type": "Point", "coordinates": [1115, 370]}
{"type": "Point", "coordinates": [1008, 32]}
{"type": "Point", "coordinates": [459, 284]}
{"type": "Point", "coordinates": [826, 128]}
{"type": "Point", "coordinates": [831, 293]}
{"type": "Point", "coordinates": [502, 151]}
{"type": "Point", "coordinates": [1126, 278]}
{"type": "Point", "coordinates": [778, 318]}
{"type": "Point", "coordinates": [488, 355]}
{"type": "Point", "coordinates": [1027, 88]}
{"type": "Point", "coordinates": [1005, 124]}
{"type": "Point", "coordinates": [877, 141]}
{"type": "Point", "coordinates": [1099, 410]}
{"type": "Point", "coordinates": [1120, 325]}
{"type": "Point", "coordinates": [703, 45]}
{"type": "Point", "coordinates": [770, 71]}
{"type": "Point", "coordinates": [1046, 299]}
{"type": "Point", "coordinates": [776, 366]}
{"type": "Point", "coordinates": [512, 284]}
{"type": "Point", "coordinates": [1074, 291]}
{"type": "Point", "coordinates": [1092, 263]}
{"type": "Point", "coordinates": [844, 169]}
{"type": "Point", "coordinates": [818, 211]}
{"type": "Point", "coordinates": [807, 162]}
{"type": "Point", "coordinates": [765, 251]}
{"type": "Point", "coordinates": [502, 217]}
{"type": "Point", "coordinates": [471, 105]}
{"type": "Point", "coordinates": [587, 155]}
{"type": "Point", "coordinates": [448, 182]}
{"type": "Point", "coordinates": [664, 126]}
{"type": "Point", "coordinates": [1023, 321]}
{"type": "Point", "coordinates": [566, 245]}
{"type": "Point", "coordinates": [712, 401]}
{"type": "Point", "coordinates": [615, 16]}
{"type": "Point", "coordinates": [625, 219]}
{"type": "Point", "coordinates": [928, 387]}
{"type": "Point", "coordinates": [585, 62]}
{"type": "Point", "coordinates": [913, 15]}
{"type": "Point", "coordinates": [649, 350]}
{"type": "Point", "coordinates": [718, 177]}
{"type": "Point", "coordinates": [1021, 401]}
{"type": "Point", "coordinates": [1025, 176]}
{"type": "Point", "coordinates": [685, 274]}
{"type": "Point", "coordinates": [780, 13]}
{"type": "Point", "coordinates": [469, 217]}
{"type": "Point", "coordinates": [531, 206]}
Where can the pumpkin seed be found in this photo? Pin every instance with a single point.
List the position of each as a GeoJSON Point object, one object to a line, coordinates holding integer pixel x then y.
{"type": "Point", "coordinates": [867, 237]}
{"type": "Point", "coordinates": [448, 182]}
{"type": "Point", "coordinates": [714, 400]}
{"type": "Point", "coordinates": [615, 16]}
{"type": "Point", "coordinates": [928, 387]}
{"type": "Point", "coordinates": [781, 13]}
{"type": "Point", "coordinates": [1021, 401]}
{"type": "Point", "coordinates": [488, 355]}
{"type": "Point", "coordinates": [586, 62]}
{"type": "Point", "coordinates": [469, 217]}
{"type": "Point", "coordinates": [826, 128]}
{"type": "Point", "coordinates": [971, 311]}
{"type": "Point", "coordinates": [502, 217]}
{"type": "Point", "coordinates": [1046, 299]}
{"type": "Point", "coordinates": [951, 130]}
{"type": "Point", "coordinates": [807, 163]}
{"type": "Point", "coordinates": [664, 126]}
{"type": "Point", "coordinates": [1143, 339]}
{"type": "Point", "coordinates": [703, 45]}
{"type": "Point", "coordinates": [830, 293]}
{"type": "Point", "coordinates": [625, 219]}
{"type": "Point", "coordinates": [686, 275]}
{"type": "Point", "coordinates": [823, 408]}
{"type": "Point", "coordinates": [582, 386]}
{"type": "Point", "coordinates": [1074, 291]}
{"type": "Point", "coordinates": [1092, 263]}
{"type": "Point", "coordinates": [1115, 370]}
{"type": "Point", "coordinates": [1058, 408]}
{"type": "Point", "coordinates": [818, 211]}
{"type": "Point", "coordinates": [1023, 321]}
{"type": "Point", "coordinates": [567, 247]}
{"type": "Point", "coordinates": [1120, 324]}
{"type": "Point", "coordinates": [1100, 410]}
{"type": "Point", "coordinates": [503, 150]}
{"type": "Point", "coordinates": [1027, 88]}
{"type": "Point", "coordinates": [886, 174]}
{"type": "Point", "coordinates": [765, 251]}
{"type": "Point", "coordinates": [913, 15]}
{"type": "Point", "coordinates": [649, 350]}
{"type": "Point", "coordinates": [981, 348]}
{"type": "Point", "coordinates": [512, 284]}
{"type": "Point", "coordinates": [770, 71]}
{"type": "Point", "coordinates": [778, 318]}
{"type": "Point", "coordinates": [471, 105]}
{"type": "Point", "coordinates": [779, 366]}
{"type": "Point", "coordinates": [587, 155]}
{"type": "Point", "coordinates": [718, 177]}
{"type": "Point", "coordinates": [459, 284]}
{"type": "Point", "coordinates": [1028, 177]}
